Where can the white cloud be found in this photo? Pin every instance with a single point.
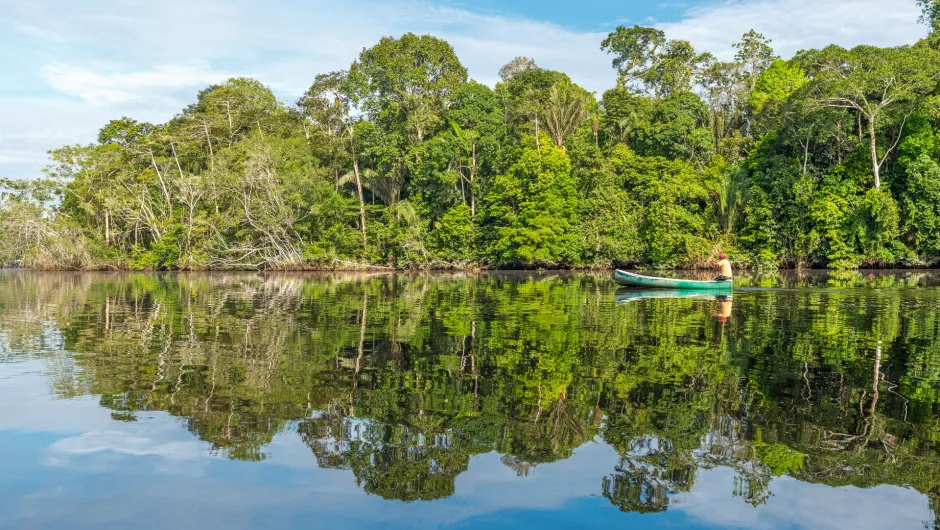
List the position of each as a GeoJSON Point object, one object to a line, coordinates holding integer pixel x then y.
{"type": "Point", "coordinates": [794, 25]}
{"type": "Point", "coordinates": [119, 87]}
{"type": "Point", "coordinates": [39, 33]}
{"type": "Point", "coordinates": [160, 54]}
{"type": "Point", "coordinates": [125, 443]}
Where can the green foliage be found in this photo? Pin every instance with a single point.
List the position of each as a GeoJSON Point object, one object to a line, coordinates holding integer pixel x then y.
{"type": "Point", "coordinates": [532, 209]}
{"type": "Point", "coordinates": [645, 59]}
{"type": "Point", "coordinates": [453, 237]}
{"type": "Point", "coordinates": [780, 458]}
{"type": "Point", "coordinates": [163, 254]}
{"type": "Point", "coordinates": [776, 84]}
{"type": "Point", "coordinates": [828, 159]}
{"type": "Point", "coordinates": [406, 84]}
{"type": "Point", "coordinates": [676, 129]}
{"type": "Point", "coordinates": [677, 220]}
{"type": "Point", "coordinates": [921, 205]}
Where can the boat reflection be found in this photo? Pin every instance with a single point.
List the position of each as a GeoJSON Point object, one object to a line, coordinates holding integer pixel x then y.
{"type": "Point", "coordinates": [723, 302]}
{"type": "Point", "coordinates": [632, 295]}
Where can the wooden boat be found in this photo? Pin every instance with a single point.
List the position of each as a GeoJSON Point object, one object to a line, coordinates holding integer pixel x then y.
{"type": "Point", "coordinates": [632, 295]}
{"type": "Point", "coordinates": [630, 279]}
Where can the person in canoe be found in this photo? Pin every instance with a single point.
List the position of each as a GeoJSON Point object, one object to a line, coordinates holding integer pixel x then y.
{"type": "Point", "coordinates": [724, 269]}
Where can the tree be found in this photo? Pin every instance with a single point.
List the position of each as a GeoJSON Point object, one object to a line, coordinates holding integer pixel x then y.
{"type": "Point", "coordinates": [624, 113]}
{"type": "Point", "coordinates": [930, 14]}
{"type": "Point", "coordinates": [644, 58]}
{"type": "Point", "coordinates": [516, 66]}
{"type": "Point", "coordinates": [475, 119]}
{"type": "Point", "coordinates": [531, 215]}
{"type": "Point", "coordinates": [755, 53]}
{"type": "Point", "coordinates": [880, 84]}
{"type": "Point", "coordinates": [406, 84]}
{"type": "Point", "coordinates": [234, 109]}
{"type": "Point", "coordinates": [524, 99]}
{"type": "Point", "coordinates": [726, 96]}
{"type": "Point", "coordinates": [635, 51]}
{"type": "Point", "coordinates": [677, 127]}
{"type": "Point", "coordinates": [776, 84]}
{"type": "Point", "coordinates": [676, 68]}
{"type": "Point", "coordinates": [327, 103]}
{"type": "Point", "coordinates": [568, 105]}
{"type": "Point", "coordinates": [124, 132]}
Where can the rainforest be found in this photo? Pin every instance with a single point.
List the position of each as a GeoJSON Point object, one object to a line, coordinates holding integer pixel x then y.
{"type": "Point", "coordinates": [827, 159]}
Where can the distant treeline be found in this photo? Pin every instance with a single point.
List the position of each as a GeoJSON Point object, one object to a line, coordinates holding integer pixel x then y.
{"type": "Point", "coordinates": [828, 159]}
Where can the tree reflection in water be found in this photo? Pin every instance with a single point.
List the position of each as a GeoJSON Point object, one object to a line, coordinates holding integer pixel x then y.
{"type": "Point", "coordinates": [401, 379]}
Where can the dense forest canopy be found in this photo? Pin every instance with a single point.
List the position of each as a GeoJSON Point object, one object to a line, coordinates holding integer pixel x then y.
{"type": "Point", "coordinates": [828, 159]}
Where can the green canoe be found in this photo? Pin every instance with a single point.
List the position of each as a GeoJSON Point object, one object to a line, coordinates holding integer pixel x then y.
{"type": "Point", "coordinates": [630, 279]}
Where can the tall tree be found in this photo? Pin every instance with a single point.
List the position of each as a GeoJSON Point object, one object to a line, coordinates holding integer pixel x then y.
{"type": "Point", "coordinates": [726, 95]}
{"type": "Point", "coordinates": [880, 84]}
{"type": "Point", "coordinates": [327, 103]}
{"type": "Point", "coordinates": [634, 50]}
{"type": "Point", "coordinates": [406, 84]}
{"type": "Point", "coordinates": [646, 60]}
{"type": "Point", "coordinates": [755, 53]}
{"type": "Point", "coordinates": [930, 14]}
{"type": "Point", "coordinates": [516, 66]}
{"type": "Point", "coordinates": [568, 105]}
{"type": "Point", "coordinates": [532, 209]}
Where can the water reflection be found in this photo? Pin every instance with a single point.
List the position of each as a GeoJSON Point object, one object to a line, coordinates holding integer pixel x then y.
{"type": "Point", "coordinates": [400, 381]}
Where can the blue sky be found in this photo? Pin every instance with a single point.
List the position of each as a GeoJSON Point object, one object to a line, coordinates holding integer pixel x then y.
{"type": "Point", "coordinates": [70, 66]}
{"type": "Point", "coordinates": [589, 15]}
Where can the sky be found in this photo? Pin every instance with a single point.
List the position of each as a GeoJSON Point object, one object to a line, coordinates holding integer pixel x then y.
{"type": "Point", "coordinates": [71, 66]}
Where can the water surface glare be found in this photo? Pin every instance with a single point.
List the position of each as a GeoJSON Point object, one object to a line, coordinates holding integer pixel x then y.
{"type": "Point", "coordinates": [502, 400]}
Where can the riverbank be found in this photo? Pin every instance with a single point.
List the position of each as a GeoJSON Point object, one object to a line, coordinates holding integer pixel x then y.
{"type": "Point", "coordinates": [468, 267]}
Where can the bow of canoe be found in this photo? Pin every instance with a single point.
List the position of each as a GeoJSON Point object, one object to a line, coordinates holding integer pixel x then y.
{"type": "Point", "coordinates": [630, 279]}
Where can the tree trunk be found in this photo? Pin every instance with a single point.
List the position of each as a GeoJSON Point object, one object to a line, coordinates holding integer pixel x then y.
{"type": "Point", "coordinates": [877, 378]}
{"type": "Point", "coordinates": [177, 158]}
{"type": "Point", "coordinates": [806, 150]}
{"type": "Point", "coordinates": [362, 333]}
{"type": "Point", "coordinates": [362, 340]}
{"type": "Point", "coordinates": [537, 146]}
{"type": "Point", "coordinates": [231, 132]}
{"type": "Point", "coordinates": [205, 127]}
{"type": "Point", "coordinates": [473, 171]}
{"type": "Point", "coordinates": [362, 203]}
{"type": "Point", "coordinates": [166, 194]}
{"type": "Point", "coordinates": [875, 166]}
{"type": "Point", "coordinates": [839, 141]}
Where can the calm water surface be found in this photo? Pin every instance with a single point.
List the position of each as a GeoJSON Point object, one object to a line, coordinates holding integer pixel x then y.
{"type": "Point", "coordinates": [453, 400]}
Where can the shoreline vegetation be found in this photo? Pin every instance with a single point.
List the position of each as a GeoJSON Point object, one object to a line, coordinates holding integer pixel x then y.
{"type": "Point", "coordinates": [828, 159]}
{"type": "Point", "coordinates": [699, 271]}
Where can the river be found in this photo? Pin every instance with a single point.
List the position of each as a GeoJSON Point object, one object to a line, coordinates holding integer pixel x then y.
{"type": "Point", "coordinates": [505, 400]}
